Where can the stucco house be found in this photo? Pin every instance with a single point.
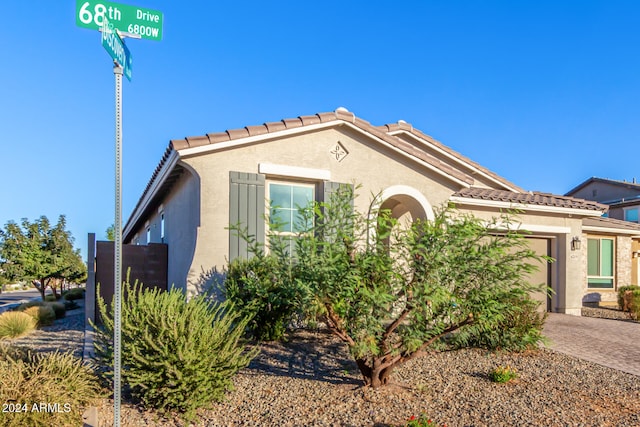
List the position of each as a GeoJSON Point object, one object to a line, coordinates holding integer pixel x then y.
{"type": "Point", "coordinates": [618, 244]}
{"type": "Point", "coordinates": [622, 197]}
{"type": "Point", "coordinates": [204, 183]}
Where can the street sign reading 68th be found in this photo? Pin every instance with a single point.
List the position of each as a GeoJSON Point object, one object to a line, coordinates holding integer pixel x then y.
{"type": "Point", "coordinates": [137, 21]}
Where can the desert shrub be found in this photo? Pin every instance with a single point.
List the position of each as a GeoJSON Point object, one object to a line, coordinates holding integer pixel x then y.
{"type": "Point", "coordinates": [622, 290]}
{"type": "Point", "coordinates": [14, 324]}
{"type": "Point", "coordinates": [634, 308]}
{"type": "Point", "coordinates": [50, 298]}
{"type": "Point", "coordinates": [9, 351]}
{"type": "Point", "coordinates": [25, 305]}
{"type": "Point", "coordinates": [176, 354]}
{"type": "Point", "coordinates": [519, 329]}
{"type": "Point", "coordinates": [58, 381]}
{"type": "Point", "coordinates": [44, 315]}
{"type": "Point", "coordinates": [503, 374]}
{"type": "Point", "coordinates": [265, 289]}
{"type": "Point", "coordinates": [73, 294]}
{"type": "Point", "coordinates": [70, 305]}
{"type": "Point", "coordinates": [58, 308]}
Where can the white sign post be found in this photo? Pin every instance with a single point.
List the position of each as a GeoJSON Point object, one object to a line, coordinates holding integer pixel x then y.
{"type": "Point", "coordinates": [130, 21]}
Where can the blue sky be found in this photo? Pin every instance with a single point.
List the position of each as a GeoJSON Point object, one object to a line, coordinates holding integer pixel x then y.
{"type": "Point", "coordinates": [544, 93]}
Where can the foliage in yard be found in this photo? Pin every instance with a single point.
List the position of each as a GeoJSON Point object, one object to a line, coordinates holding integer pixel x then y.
{"type": "Point", "coordinates": [74, 294]}
{"type": "Point", "coordinates": [40, 253]}
{"type": "Point", "coordinates": [176, 354]}
{"type": "Point", "coordinates": [503, 374]}
{"type": "Point", "coordinates": [45, 389]}
{"type": "Point", "coordinates": [14, 324]}
{"type": "Point", "coordinates": [390, 291]}
{"type": "Point", "coordinates": [44, 315]}
{"type": "Point", "coordinates": [266, 288]}
{"type": "Point", "coordinates": [520, 330]}
{"type": "Point", "coordinates": [621, 292]}
{"type": "Point", "coordinates": [634, 303]}
{"type": "Point", "coordinates": [58, 308]}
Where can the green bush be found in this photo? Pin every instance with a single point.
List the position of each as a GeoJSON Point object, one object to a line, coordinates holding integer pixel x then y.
{"type": "Point", "coordinates": [264, 288]}
{"type": "Point", "coordinates": [622, 290]}
{"type": "Point", "coordinates": [503, 374]}
{"type": "Point", "coordinates": [50, 298]}
{"type": "Point", "coordinates": [58, 308]}
{"type": "Point", "coordinates": [176, 355]}
{"type": "Point", "coordinates": [519, 329]}
{"type": "Point", "coordinates": [44, 315]}
{"type": "Point", "coordinates": [14, 324]}
{"type": "Point", "coordinates": [70, 305]}
{"type": "Point", "coordinates": [25, 305]}
{"type": "Point", "coordinates": [635, 304]}
{"type": "Point", "coordinates": [60, 381]}
{"type": "Point", "coordinates": [73, 294]}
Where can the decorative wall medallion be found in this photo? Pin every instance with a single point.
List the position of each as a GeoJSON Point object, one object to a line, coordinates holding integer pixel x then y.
{"type": "Point", "coordinates": [339, 152]}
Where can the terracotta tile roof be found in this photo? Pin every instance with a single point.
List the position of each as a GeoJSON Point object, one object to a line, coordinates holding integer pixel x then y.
{"type": "Point", "coordinates": [618, 224]}
{"type": "Point", "coordinates": [407, 127]}
{"type": "Point", "coordinates": [529, 198]}
{"type": "Point", "coordinates": [338, 115]}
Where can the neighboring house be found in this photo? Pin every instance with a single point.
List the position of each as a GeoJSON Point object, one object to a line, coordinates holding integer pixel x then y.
{"type": "Point", "coordinates": [613, 243]}
{"type": "Point", "coordinates": [622, 197]}
{"type": "Point", "coordinates": [204, 183]}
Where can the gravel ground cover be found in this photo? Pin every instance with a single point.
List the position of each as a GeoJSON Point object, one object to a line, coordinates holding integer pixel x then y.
{"type": "Point", "coordinates": [311, 381]}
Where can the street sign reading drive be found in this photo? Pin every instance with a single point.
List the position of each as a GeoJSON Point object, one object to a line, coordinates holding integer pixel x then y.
{"type": "Point", "coordinates": [136, 21]}
{"type": "Point", "coordinates": [114, 45]}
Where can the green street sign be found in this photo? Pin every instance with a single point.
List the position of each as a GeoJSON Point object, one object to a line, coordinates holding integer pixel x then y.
{"type": "Point", "coordinates": [114, 45]}
{"type": "Point", "coordinates": [130, 20]}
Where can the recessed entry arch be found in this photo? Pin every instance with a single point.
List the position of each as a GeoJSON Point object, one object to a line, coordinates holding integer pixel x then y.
{"type": "Point", "coordinates": [405, 202]}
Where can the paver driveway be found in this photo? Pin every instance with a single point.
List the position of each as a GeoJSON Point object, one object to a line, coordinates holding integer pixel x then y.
{"type": "Point", "coordinates": [611, 343]}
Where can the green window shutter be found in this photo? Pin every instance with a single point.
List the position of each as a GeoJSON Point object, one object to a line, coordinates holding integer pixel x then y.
{"type": "Point", "coordinates": [246, 207]}
{"type": "Point", "coordinates": [328, 189]}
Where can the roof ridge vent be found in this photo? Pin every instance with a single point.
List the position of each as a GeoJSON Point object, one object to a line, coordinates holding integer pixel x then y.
{"type": "Point", "coordinates": [341, 110]}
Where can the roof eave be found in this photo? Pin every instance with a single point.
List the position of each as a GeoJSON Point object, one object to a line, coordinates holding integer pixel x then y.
{"type": "Point", "coordinates": [463, 181]}
{"type": "Point", "coordinates": [150, 194]}
{"type": "Point", "coordinates": [496, 204]}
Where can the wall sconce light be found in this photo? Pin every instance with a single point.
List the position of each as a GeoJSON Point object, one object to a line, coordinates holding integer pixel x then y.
{"type": "Point", "coordinates": [576, 243]}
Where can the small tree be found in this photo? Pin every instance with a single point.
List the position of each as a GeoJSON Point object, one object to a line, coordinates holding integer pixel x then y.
{"type": "Point", "coordinates": [111, 233]}
{"type": "Point", "coordinates": [37, 252]}
{"type": "Point", "coordinates": [390, 292]}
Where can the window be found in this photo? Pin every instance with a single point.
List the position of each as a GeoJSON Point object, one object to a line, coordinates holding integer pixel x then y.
{"type": "Point", "coordinates": [600, 263]}
{"type": "Point", "coordinates": [148, 235]}
{"type": "Point", "coordinates": [285, 216]}
{"type": "Point", "coordinates": [286, 202]}
{"type": "Point", "coordinates": [631, 214]}
{"type": "Point", "coordinates": [162, 227]}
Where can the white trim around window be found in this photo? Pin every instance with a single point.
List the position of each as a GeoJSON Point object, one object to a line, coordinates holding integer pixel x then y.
{"type": "Point", "coordinates": [294, 171]}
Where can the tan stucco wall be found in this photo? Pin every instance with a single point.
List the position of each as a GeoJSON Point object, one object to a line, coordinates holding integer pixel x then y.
{"type": "Point", "coordinates": [181, 208]}
{"type": "Point", "coordinates": [568, 270]}
{"type": "Point", "coordinates": [367, 163]}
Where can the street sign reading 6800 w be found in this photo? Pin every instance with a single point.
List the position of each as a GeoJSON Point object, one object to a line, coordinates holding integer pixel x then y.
{"type": "Point", "coordinates": [146, 23]}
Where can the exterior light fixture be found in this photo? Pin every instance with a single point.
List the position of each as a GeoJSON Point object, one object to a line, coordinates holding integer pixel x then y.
{"type": "Point", "coordinates": [576, 243]}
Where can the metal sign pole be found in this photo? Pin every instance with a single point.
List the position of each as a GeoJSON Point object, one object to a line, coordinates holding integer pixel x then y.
{"type": "Point", "coordinates": [117, 277]}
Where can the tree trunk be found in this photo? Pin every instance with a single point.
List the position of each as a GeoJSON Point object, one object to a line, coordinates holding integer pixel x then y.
{"type": "Point", "coordinates": [40, 287]}
{"type": "Point", "coordinates": [374, 378]}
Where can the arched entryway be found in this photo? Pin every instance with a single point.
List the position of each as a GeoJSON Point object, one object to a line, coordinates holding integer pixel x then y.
{"type": "Point", "coordinates": [406, 204]}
